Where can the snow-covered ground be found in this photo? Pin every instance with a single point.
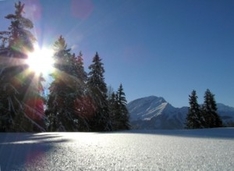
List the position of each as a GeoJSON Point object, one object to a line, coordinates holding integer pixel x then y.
{"type": "Point", "coordinates": [207, 149]}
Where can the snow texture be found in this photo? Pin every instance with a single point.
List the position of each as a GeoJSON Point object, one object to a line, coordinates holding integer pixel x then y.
{"type": "Point", "coordinates": [207, 149]}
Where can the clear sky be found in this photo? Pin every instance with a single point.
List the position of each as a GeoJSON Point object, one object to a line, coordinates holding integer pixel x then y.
{"type": "Point", "coordinates": [165, 48]}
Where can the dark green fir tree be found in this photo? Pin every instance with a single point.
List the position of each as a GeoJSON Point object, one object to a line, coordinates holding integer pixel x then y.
{"type": "Point", "coordinates": [83, 106]}
{"type": "Point", "coordinates": [114, 111]}
{"type": "Point", "coordinates": [123, 111]}
{"type": "Point", "coordinates": [21, 104]}
{"type": "Point", "coordinates": [61, 111]}
{"type": "Point", "coordinates": [209, 111]}
{"type": "Point", "coordinates": [118, 110]}
{"type": "Point", "coordinates": [194, 118]}
{"type": "Point", "coordinates": [100, 119]}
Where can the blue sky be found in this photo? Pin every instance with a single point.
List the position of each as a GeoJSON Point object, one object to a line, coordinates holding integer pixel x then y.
{"type": "Point", "coordinates": [154, 47]}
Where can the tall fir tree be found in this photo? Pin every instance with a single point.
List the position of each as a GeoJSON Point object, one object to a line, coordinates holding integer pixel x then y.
{"type": "Point", "coordinates": [123, 111]}
{"type": "Point", "coordinates": [118, 110]}
{"type": "Point", "coordinates": [82, 103]}
{"type": "Point", "coordinates": [79, 73]}
{"type": "Point", "coordinates": [113, 106]}
{"type": "Point", "coordinates": [100, 120]}
{"type": "Point", "coordinates": [194, 118]}
{"type": "Point", "coordinates": [63, 90]}
{"type": "Point", "coordinates": [21, 104]}
{"type": "Point", "coordinates": [114, 111]}
{"type": "Point", "coordinates": [209, 111]}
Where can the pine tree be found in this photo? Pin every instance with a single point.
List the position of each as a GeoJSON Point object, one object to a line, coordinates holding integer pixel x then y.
{"type": "Point", "coordinates": [21, 104]}
{"type": "Point", "coordinates": [97, 88]}
{"type": "Point", "coordinates": [123, 111]}
{"type": "Point", "coordinates": [194, 118]}
{"type": "Point", "coordinates": [118, 110]}
{"type": "Point", "coordinates": [79, 74]}
{"type": "Point", "coordinates": [83, 105]}
{"type": "Point", "coordinates": [63, 90]}
{"type": "Point", "coordinates": [209, 110]}
{"type": "Point", "coordinates": [114, 111]}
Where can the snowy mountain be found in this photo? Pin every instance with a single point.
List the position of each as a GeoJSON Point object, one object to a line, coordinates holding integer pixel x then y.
{"type": "Point", "coordinates": [156, 113]}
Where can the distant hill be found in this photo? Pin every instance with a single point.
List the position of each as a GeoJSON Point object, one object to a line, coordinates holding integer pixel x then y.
{"type": "Point", "coordinates": [156, 113]}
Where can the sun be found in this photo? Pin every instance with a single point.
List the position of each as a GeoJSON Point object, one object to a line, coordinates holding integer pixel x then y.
{"type": "Point", "coordinates": [40, 60]}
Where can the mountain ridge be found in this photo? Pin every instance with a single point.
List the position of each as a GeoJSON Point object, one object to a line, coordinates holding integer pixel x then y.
{"type": "Point", "coordinates": [154, 112]}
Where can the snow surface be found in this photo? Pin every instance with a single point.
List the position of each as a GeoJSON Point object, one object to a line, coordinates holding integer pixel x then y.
{"type": "Point", "coordinates": [207, 149]}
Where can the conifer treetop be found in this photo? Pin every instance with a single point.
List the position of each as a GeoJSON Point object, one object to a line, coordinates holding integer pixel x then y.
{"type": "Point", "coordinates": [20, 38]}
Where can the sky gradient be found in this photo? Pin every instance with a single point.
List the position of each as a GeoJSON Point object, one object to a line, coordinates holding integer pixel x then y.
{"type": "Point", "coordinates": [165, 48]}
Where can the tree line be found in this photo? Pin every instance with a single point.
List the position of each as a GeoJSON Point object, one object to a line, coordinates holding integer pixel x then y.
{"type": "Point", "coordinates": [77, 100]}
{"type": "Point", "coordinates": [205, 115]}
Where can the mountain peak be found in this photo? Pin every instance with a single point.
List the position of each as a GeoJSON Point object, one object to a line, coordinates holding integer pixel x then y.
{"type": "Point", "coordinates": [154, 112]}
{"type": "Point", "coordinates": [150, 99]}
{"type": "Point", "coordinates": [146, 107]}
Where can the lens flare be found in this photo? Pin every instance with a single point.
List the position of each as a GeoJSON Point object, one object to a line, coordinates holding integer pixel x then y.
{"type": "Point", "coordinates": [81, 9]}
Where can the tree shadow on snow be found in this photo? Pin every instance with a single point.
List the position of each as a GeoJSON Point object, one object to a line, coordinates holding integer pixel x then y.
{"type": "Point", "coordinates": [17, 150]}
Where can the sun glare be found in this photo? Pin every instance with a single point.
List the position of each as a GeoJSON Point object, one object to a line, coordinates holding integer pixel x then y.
{"type": "Point", "coordinates": [41, 61]}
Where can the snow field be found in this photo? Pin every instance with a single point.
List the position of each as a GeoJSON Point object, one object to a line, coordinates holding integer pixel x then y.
{"type": "Point", "coordinates": [208, 149]}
